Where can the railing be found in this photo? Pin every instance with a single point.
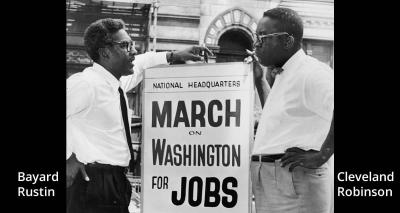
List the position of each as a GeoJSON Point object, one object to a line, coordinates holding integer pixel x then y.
{"type": "Point", "coordinates": [81, 13]}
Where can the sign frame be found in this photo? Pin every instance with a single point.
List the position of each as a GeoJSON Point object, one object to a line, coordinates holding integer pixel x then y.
{"type": "Point", "coordinates": [248, 71]}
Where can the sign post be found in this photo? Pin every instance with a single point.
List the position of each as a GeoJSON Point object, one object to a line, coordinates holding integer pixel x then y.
{"type": "Point", "coordinates": [197, 132]}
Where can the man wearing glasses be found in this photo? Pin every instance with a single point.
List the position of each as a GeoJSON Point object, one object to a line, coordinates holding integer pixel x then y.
{"type": "Point", "coordinates": [295, 136]}
{"type": "Point", "coordinates": [98, 131]}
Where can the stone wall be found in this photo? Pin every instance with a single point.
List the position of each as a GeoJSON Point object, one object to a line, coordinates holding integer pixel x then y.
{"type": "Point", "coordinates": [182, 23]}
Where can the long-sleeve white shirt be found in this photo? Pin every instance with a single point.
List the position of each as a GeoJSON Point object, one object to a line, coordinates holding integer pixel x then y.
{"type": "Point", "coordinates": [95, 129]}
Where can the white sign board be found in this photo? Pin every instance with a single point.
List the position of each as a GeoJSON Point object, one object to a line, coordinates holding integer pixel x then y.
{"type": "Point", "coordinates": [197, 129]}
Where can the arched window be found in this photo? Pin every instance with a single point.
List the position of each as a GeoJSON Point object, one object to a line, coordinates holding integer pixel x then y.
{"type": "Point", "coordinates": [230, 33]}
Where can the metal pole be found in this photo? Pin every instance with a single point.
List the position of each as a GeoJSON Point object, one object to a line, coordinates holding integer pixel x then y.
{"type": "Point", "coordinates": [149, 30]}
{"type": "Point", "coordinates": [156, 5]}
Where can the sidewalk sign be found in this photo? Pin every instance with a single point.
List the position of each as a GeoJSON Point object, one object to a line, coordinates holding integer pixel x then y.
{"type": "Point", "coordinates": [197, 132]}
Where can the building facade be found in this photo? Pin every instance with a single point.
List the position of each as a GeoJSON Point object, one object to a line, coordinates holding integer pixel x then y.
{"type": "Point", "coordinates": [227, 27]}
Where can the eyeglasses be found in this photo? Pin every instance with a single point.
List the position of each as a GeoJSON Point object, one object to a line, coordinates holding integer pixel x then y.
{"type": "Point", "coordinates": [259, 38]}
{"type": "Point", "coordinates": [128, 45]}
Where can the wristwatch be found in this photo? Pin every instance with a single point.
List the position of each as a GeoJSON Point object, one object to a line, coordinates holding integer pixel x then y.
{"type": "Point", "coordinates": [170, 59]}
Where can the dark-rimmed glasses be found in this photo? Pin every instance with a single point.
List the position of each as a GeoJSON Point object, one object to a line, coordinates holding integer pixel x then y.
{"type": "Point", "coordinates": [259, 38]}
{"type": "Point", "coordinates": [127, 45]}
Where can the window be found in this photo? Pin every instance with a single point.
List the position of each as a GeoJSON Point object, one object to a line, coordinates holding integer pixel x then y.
{"type": "Point", "coordinates": [321, 50]}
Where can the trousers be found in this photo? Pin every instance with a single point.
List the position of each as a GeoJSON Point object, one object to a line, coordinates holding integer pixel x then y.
{"type": "Point", "coordinates": [276, 190]}
{"type": "Point", "coordinates": [108, 191]}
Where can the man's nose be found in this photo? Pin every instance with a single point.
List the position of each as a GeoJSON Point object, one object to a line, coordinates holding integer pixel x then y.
{"type": "Point", "coordinates": [133, 51]}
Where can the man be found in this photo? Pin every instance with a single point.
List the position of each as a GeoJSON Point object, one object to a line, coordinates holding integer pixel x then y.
{"type": "Point", "coordinates": [294, 140]}
{"type": "Point", "coordinates": [98, 131]}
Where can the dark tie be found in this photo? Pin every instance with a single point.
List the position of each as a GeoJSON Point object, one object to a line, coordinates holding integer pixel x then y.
{"type": "Point", "coordinates": [124, 111]}
{"type": "Point", "coordinates": [273, 72]}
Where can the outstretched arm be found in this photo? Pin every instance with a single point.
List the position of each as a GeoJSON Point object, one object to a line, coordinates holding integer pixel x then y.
{"type": "Point", "coordinates": [152, 59]}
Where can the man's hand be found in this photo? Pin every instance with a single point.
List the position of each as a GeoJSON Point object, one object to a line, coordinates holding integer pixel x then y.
{"type": "Point", "coordinates": [193, 53]}
{"type": "Point", "coordinates": [295, 156]}
{"type": "Point", "coordinates": [259, 74]}
{"type": "Point", "coordinates": [73, 167]}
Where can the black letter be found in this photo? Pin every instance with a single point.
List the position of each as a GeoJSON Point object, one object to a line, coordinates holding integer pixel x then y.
{"type": "Point", "coordinates": [158, 151]}
{"type": "Point", "coordinates": [208, 193]}
{"type": "Point", "coordinates": [198, 116]}
{"type": "Point", "coordinates": [174, 195]}
{"type": "Point", "coordinates": [201, 156]}
{"type": "Point", "coordinates": [181, 108]}
{"type": "Point", "coordinates": [229, 114]}
{"type": "Point", "coordinates": [166, 112]}
{"type": "Point", "coordinates": [226, 152]}
{"type": "Point", "coordinates": [199, 181]}
{"type": "Point", "coordinates": [178, 156]}
{"type": "Point", "coordinates": [227, 191]}
{"type": "Point", "coordinates": [168, 156]}
{"type": "Point", "coordinates": [218, 151]}
{"type": "Point", "coordinates": [210, 113]}
{"type": "Point", "coordinates": [235, 156]}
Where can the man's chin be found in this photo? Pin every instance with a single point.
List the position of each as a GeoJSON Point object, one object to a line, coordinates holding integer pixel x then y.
{"type": "Point", "coordinates": [128, 72]}
{"type": "Point", "coordinates": [264, 63]}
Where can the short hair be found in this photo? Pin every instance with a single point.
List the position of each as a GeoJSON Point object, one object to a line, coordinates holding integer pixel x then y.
{"type": "Point", "coordinates": [98, 34]}
{"type": "Point", "coordinates": [289, 20]}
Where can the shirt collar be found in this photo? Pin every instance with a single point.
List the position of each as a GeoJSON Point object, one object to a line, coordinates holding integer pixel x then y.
{"type": "Point", "coordinates": [114, 82]}
{"type": "Point", "coordinates": [296, 58]}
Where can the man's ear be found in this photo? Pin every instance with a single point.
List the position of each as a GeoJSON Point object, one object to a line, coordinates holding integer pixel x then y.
{"type": "Point", "coordinates": [289, 42]}
{"type": "Point", "coordinates": [104, 53]}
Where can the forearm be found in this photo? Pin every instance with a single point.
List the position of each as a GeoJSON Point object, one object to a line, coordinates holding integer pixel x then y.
{"type": "Point", "coordinates": [262, 89]}
{"type": "Point", "coordinates": [150, 59]}
{"type": "Point", "coordinates": [327, 148]}
{"type": "Point", "coordinates": [141, 63]}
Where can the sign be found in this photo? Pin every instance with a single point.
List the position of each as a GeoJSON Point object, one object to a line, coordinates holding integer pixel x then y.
{"type": "Point", "coordinates": [197, 131]}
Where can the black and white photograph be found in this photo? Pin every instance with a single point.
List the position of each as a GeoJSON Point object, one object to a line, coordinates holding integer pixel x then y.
{"type": "Point", "coordinates": [200, 106]}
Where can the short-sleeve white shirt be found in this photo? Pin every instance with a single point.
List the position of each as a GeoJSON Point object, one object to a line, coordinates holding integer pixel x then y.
{"type": "Point", "coordinates": [299, 107]}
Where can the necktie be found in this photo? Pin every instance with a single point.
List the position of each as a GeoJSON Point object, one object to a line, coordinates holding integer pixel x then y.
{"type": "Point", "coordinates": [273, 72]}
{"type": "Point", "coordinates": [124, 111]}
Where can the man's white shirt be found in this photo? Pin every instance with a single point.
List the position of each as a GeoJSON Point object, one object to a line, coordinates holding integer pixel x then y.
{"type": "Point", "coordinates": [95, 129]}
{"type": "Point", "coordinates": [299, 107]}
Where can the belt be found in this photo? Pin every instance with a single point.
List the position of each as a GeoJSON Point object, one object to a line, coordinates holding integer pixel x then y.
{"type": "Point", "coordinates": [106, 167]}
{"type": "Point", "coordinates": [266, 158]}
